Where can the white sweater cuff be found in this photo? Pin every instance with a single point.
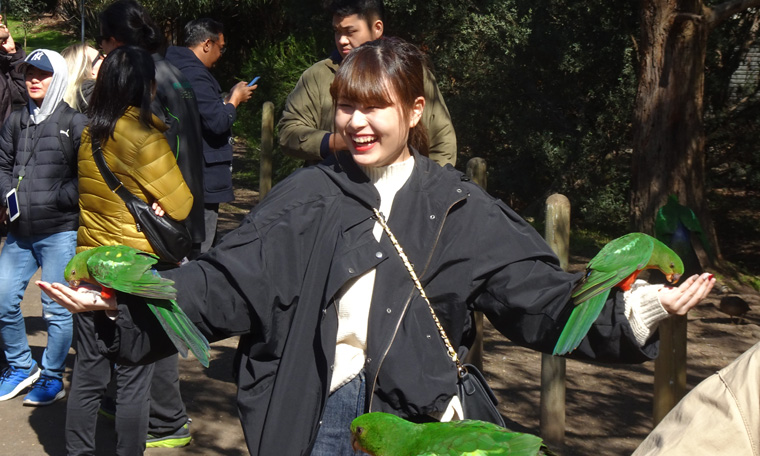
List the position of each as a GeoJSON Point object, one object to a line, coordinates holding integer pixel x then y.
{"type": "Point", "coordinates": [643, 310]}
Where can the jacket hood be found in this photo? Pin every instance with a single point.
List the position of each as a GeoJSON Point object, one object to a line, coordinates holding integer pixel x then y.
{"type": "Point", "coordinates": [57, 87]}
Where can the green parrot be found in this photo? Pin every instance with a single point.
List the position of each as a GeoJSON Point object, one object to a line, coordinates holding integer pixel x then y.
{"type": "Point", "coordinates": [129, 270]}
{"type": "Point", "coordinates": [616, 265]}
{"type": "Point", "coordinates": [383, 434]}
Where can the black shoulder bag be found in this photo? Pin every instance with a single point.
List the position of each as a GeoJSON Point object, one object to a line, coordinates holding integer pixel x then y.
{"type": "Point", "coordinates": [169, 238]}
{"type": "Point", "coordinates": [477, 398]}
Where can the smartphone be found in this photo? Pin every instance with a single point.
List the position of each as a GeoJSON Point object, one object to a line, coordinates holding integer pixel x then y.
{"type": "Point", "coordinates": [254, 81]}
{"type": "Point", "coordinates": [12, 201]}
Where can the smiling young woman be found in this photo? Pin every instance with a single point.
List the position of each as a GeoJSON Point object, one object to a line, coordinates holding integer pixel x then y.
{"type": "Point", "coordinates": [330, 322]}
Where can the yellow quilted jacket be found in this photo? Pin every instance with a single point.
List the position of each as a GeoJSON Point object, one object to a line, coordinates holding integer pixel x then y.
{"type": "Point", "coordinates": [141, 158]}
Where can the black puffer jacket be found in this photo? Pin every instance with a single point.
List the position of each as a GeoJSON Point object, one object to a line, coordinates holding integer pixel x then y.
{"type": "Point", "coordinates": [47, 194]}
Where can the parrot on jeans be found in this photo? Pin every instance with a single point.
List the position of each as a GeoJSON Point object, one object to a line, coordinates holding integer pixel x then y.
{"type": "Point", "coordinates": [383, 434]}
{"type": "Point", "coordinates": [616, 265]}
{"type": "Point", "coordinates": [129, 270]}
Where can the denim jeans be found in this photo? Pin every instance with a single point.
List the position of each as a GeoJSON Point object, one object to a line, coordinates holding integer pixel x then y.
{"type": "Point", "coordinates": [343, 405]}
{"type": "Point", "coordinates": [19, 260]}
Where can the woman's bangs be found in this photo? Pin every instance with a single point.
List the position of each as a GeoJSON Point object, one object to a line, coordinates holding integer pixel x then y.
{"type": "Point", "coordinates": [362, 82]}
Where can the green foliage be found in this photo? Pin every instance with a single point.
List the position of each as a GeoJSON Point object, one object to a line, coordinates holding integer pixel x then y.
{"type": "Point", "coordinates": [40, 38]}
{"type": "Point", "coordinates": [27, 12]}
{"type": "Point", "coordinates": [279, 65]}
{"type": "Point", "coordinates": [542, 90]}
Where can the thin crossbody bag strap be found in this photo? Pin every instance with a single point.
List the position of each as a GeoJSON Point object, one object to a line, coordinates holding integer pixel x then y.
{"type": "Point", "coordinates": [449, 348]}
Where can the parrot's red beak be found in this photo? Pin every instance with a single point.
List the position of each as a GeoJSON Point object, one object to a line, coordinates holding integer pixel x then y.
{"type": "Point", "coordinates": [673, 278]}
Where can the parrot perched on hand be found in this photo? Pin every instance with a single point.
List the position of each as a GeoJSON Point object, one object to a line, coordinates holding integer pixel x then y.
{"type": "Point", "coordinates": [129, 270]}
{"type": "Point", "coordinates": [616, 265]}
{"type": "Point", "coordinates": [383, 434]}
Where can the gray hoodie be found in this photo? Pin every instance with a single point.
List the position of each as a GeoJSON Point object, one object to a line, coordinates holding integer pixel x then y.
{"type": "Point", "coordinates": [57, 87]}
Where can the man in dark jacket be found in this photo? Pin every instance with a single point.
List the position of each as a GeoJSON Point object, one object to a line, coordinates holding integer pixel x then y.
{"type": "Point", "coordinates": [12, 88]}
{"type": "Point", "coordinates": [205, 44]}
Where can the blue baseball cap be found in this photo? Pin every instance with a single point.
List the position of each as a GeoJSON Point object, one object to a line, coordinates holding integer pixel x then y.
{"type": "Point", "coordinates": [39, 60]}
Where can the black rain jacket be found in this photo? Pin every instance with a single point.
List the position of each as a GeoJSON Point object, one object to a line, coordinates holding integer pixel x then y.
{"type": "Point", "coordinates": [273, 279]}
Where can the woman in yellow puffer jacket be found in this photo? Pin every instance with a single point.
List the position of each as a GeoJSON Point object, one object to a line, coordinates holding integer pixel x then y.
{"type": "Point", "coordinates": [136, 151]}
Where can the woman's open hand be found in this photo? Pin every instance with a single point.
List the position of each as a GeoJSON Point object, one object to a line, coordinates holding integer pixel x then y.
{"type": "Point", "coordinates": [679, 300]}
{"type": "Point", "coordinates": [82, 299]}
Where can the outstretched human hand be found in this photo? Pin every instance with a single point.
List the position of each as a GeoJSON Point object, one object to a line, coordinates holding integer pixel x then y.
{"type": "Point", "coordinates": [680, 300]}
{"type": "Point", "coordinates": [81, 299]}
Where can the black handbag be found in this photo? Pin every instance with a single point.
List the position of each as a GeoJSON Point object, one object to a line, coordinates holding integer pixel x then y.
{"type": "Point", "coordinates": [169, 238]}
{"type": "Point", "coordinates": [477, 398]}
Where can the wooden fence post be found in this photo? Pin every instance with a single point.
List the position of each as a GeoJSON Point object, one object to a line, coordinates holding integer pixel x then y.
{"type": "Point", "coordinates": [670, 367]}
{"type": "Point", "coordinates": [477, 172]}
{"type": "Point", "coordinates": [557, 235]}
{"type": "Point", "coordinates": [267, 146]}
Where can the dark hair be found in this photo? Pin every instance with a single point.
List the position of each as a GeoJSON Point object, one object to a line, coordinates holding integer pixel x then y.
{"type": "Point", "coordinates": [369, 10]}
{"type": "Point", "coordinates": [381, 73]}
{"type": "Point", "coordinates": [200, 30]}
{"type": "Point", "coordinates": [125, 79]}
{"type": "Point", "coordinates": [127, 21]}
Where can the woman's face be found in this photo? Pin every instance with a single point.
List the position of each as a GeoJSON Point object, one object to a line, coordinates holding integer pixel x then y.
{"type": "Point", "coordinates": [376, 136]}
{"type": "Point", "coordinates": [37, 83]}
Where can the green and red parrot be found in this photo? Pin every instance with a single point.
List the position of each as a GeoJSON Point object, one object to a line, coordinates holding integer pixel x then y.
{"type": "Point", "coordinates": [129, 270]}
{"type": "Point", "coordinates": [383, 434]}
{"type": "Point", "coordinates": [616, 265]}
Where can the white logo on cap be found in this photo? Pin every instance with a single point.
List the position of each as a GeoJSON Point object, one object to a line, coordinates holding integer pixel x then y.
{"type": "Point", "coordinates": [36, 56]}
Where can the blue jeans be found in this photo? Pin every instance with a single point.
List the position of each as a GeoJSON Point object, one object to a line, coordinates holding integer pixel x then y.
{"type": "Point", "coordinates": [343, 405]}
{"type": "Point", "coordinates": [19, 260]}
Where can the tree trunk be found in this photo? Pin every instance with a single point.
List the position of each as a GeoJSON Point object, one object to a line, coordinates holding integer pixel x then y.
{"type": "Point", "coordinates": [668, 132]}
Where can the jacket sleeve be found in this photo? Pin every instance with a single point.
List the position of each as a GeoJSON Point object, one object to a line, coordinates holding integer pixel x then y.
{"type": "Point", "coordinates": [443, 140]}
{"type": "Point", "coordinates": [216, 116]}
{"type": "Point", "coordinates": [301, 132]}
{"type": "Point", "coordinates": [216, 291]}
{"type": "Point", "coordinates": [7, 158]}
{"type": "Point", "coordinates": [527, 297]}
{"type": "Point", "coordinates": [157, 170]}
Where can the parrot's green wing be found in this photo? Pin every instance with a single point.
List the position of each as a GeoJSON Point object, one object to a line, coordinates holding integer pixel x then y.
{"type": "Point", "coordinates": [182, 332]}
{"type": "Point", "coordinates": [475, 438]}
{"type": "Point", "coordinates": [130, 271]}
{"type": "Point", "coordinates": [616, 261]}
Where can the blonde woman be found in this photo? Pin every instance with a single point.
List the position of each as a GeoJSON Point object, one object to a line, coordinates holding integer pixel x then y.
{"type": "Point", "coordinates": [79, 60]}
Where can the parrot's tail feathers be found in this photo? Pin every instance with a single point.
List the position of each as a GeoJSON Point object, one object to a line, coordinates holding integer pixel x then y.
{"type": "Point", "coordinates": [163, 289]}
{"type": "Point", "coordinates": [160, 312]}
{"type": "Point", "coordinates": [524, 445]}
{"type": "Point", "coordinates": [182, 332]}
{"type": "Point", "coordinates": [580, 322]}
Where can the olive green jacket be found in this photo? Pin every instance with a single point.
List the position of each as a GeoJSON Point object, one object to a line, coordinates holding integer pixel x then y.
{"type": "Point", "coordinates": [308, 117]}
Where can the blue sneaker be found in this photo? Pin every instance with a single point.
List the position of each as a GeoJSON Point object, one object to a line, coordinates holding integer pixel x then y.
{"type": "Point", "coordinates": [14, 380]}
{"type": "Point", "coordinates": [45, 391]}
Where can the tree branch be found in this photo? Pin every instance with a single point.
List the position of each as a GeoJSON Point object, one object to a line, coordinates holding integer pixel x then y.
{"type": "Point", "coordinates": [716, 14]}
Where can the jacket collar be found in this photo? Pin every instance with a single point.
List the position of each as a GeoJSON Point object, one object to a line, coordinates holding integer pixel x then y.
{"type": "Point", "coordinates": [427, 177]}
{"type": "Point", "coordinates": [133, 113]}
